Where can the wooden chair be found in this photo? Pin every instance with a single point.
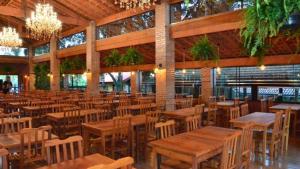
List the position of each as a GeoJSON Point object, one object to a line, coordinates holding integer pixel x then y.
{"type": "Point", "coordinates": [33, 144]}
{"type": "Point", "coordinates": [145, 108]}
{"type": "Point", "coordinates": [211, 115]}
{"type": "Point", "coordinates": [123, 111]}
{"type": "Point", "coordinates": [4, 158]}
{"type": "Point", "coordinates": [70, 149]}
{"type": "Point", "coordinates": [123, 163]}
{"type": "Point", "coordinates": [152, 118]}
{"type": "Point", "coordinates": [165, 129]}
{"type": "Point", "coordinates": [236, 101]}
{"type": "Point", "coordinates": [230, 153]}
{"type": "Point", "coordinates": [246, 144]}
{"type": "Point", "coordinates": [244, 109]}
{"type": "Point", "coordinates": [286, 131]}
{"type": "Point", "coordinates": [263, 105]}
{"type": "Point", "coordinates": [125, 102]}
{"type": "Point", "coordinates": [270, 103]}
{"type": "Point", "coordinates": [234, 113]}
{"type": "Point", "coordinates": [122, 135]}
{"type": "Point", "coordinates": [246, 99]}
{"type": "Point", "coordinates": [71, 123]}
{"type": "Point", "coordinates": [97, 115]}
{"type": "Point", "coordinates": [193, 122]}
{"type": "Point", "coordinates": [199, 109]}
{"type": "Point", "coordinates": [222, 98]}
{"type": "Point", "coordinates": [11, 125]}
{"type": "Point", "coordinates": [200, 99]}
{"type": "Point", "coordinates": [212, 99]}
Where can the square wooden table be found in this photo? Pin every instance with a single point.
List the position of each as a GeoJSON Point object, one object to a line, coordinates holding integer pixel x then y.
{"type": "Point", "coordinates": [181, 114]}
{"type": "Point", "coordinates": [81, 163]}
{"type": "Point", "coordinates": [13, 140]}
{"type": "Point", "coordinates": [105, 128]}
{"type": "Point", "coordinates": [262, 122]}
{"type": "Point", "coordinates": [192, 147]}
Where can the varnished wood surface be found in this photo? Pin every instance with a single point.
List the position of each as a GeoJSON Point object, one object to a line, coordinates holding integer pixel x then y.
{"type": "Point", "coordinates": [182, 113]}
{"type": "Point", "coordinates": [285, 106]}
{"type": "Point", "coordinates": [60, 115]}
{"type": "Point", "coordinates": [228, 103]}
{"type": "Point", "coordinates": [37, 108]}
{"type": "Point", "coordinates": [193, 147]}
{"type": "Point", "coordinates": [258, 118]}
{"type": "Point", "coordinates": [13, 140]}
{"type": "Point", "coordinates": [81, 163]}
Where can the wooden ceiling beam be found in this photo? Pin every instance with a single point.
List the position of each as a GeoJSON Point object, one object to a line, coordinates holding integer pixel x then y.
{"type": "Point", "coordinates": [15, 12]}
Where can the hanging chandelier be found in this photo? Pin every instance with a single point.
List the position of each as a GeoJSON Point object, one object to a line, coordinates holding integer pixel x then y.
{"type": "Point", "coordinates": [9, 37]}
{"type": "Point", "coordinates": [43, 22]}
{"type": "Point", "coordinates": [127, 4]}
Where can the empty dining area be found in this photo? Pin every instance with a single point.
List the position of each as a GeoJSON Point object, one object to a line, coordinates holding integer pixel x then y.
{"type": "Point", "coordinates": [149, 84]}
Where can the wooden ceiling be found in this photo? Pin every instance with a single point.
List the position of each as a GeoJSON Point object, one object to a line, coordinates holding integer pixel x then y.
{"type": "Point", "coordinates": [71, 12]}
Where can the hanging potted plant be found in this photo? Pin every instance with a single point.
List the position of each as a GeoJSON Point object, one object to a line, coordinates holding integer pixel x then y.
{"type": "Point", "coordinates": [8, 69]}
{"type": "Point", "coordinates": [267, 19]}
{"type": "Point", "coordinates": [204, 50]}
{"type": "Point", "coordinates": [113, 59]}
{"type": "Point", "coordinates": [132, 57]}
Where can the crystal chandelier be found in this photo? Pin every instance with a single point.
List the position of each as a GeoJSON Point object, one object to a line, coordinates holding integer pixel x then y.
{"type": "Point", "coordinates": [43, 22]}
{"type": "Point", "coordinates": [9, 37]}
{"type": "Point", "coordinates": [135, 3]}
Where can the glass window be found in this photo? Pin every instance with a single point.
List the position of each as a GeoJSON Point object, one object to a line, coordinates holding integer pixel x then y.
{"type": "Point", "coordinates": [147, 84]}
{"type": "Point", "coordinates": [14, 80]}
{"type": "Point", "coordinates": [41, 50]}
{"type": "Point", "coordinates": [127, 25]}
{"type": "Point", "coordinates": [9, 51]}
{"type": "Point", "coordinates": [76, 81]}
{"type": "Point", "coordinates": [188, 82]}
{"type": "Point", "coordinates": [115, 81]}
{"type": "Point", "coordinates": [72, 40]}
{"type": "Point", "coordinates": [198, 8]}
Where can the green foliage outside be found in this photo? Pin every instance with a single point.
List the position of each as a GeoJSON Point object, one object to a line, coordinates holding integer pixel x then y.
{"type": "Point", "coordinates": [42, 81]}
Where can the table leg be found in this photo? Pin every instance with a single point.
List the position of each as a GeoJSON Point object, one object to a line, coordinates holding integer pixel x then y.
{"type": "Point", "coordinates": [264, 145]}
{"type": "Point", "coordinates": [103, 144]}
{"type": "Point", "coordinates": [154, 160]}
{"type": "Point", "coordinates": [86, 141]}
{"type": "Point", "coordinates": [195, 164]}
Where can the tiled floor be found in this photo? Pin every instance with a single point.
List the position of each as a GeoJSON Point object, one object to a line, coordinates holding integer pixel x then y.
{"type": "Point", "coordinates": [290, 161]}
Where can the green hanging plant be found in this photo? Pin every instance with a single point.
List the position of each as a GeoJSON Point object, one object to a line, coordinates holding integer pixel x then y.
{"type": "Point", "coordinates": [42, 81]}
{"type": "Point", "coordinates": [113, 59]}
{"type": "Point", "coordinates": [203, 49]}
{"type": "Point", "coordinates": [8, 69]}
{"type": "Point", "coordinates": [264, 20]}
{"type": "Point", "coordinates": [68, 65]}
{"type": "Point", "coordinates": [132, 57]}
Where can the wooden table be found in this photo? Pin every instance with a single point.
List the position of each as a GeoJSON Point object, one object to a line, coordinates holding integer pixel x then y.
{"type": "Point", "coordinates": [228, 103]}
{"type": "Point", "coordinates": [32, 109]}
{"type": "Point", "coordinates": [139, 106]}
{"type": "Point", "coordinates": [295, 110]}
{"type": "Point", "coordinates": [13, 140]}
{"type": "Point", "coordinates": [262, 122]}
{"type": "Point", "coordinates": [104, 129]}
{"type": "Point", "coordinates": [56, 117]}
{"type": "Point", "coordinates": [81, 163]}
{"type": "Point", "coordinates": [192, 147]}
{"type": "Point", "coordinates": [181, 114]}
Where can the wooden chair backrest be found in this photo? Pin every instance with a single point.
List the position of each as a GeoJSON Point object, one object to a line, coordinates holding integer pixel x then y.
{"type": "Point", "coordinates": [222, 98]}
{"type": "Point", "coordinates": [193, 122]}
{"type": "Point", "coordinates": [123, 163]}
{"type": "Point", "coordinates": [87, 105]}
{"type": "Point", "coordinates": [199, 109]}
{"type": "Point", "coordinates": [270, 101]}
{"type": "Point", "coordinates": [263, 105]}
{"type": "Point", "coordinates": [287, 120]}
{"type": "Point", "coordinates": [234, 113]}
{"type": "Point", "coordinates": [200, 99]}
{"type": "Point", "coordinates": [230, 152]}
{"type": "Point", "coordinates": [125, 102]}
{"type": "Point", "coordinates": [151, 119]}
{"type": "Point", "coordinates": [4, 156]}
{"type": "Point", "coordinates": [123, 111]}
{"type": "Point", "coordinates": [244, 109]}
{"type": "Point", "coordinates": [212, 99]}
{"type": "Point", "coordinates": [165, 129]}
{"type": "Point", "coordinates": [236, 101]}
{"type": "Point", "coordinates": [55, 148]}
{"type": "Point", "coordinates": [72, 119]}
{"type": "Point", "coordinates": [277, 128]}
{"type": "Point", "coordinates": [247, 138]}
{"type": "Point", "coordinates": [122, 127]}
{"type": "Point", "coordinates": [246, 99]}
{"type": "Point", "coordinates": [97, 115]}
{"type": "Point", "coordinates": [11, 125]}
{"type": "Point", "coordinates": [145, 108]}
{"type": "Point", "coordinates": [212, 112]}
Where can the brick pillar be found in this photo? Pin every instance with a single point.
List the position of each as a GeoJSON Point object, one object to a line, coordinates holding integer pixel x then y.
{"type": "Point", "coordinates": [134, 82]}
{"type": "Point", "coordinates": [164, 55]}
{"type": "Point", "coordinates": [31, 83]}
{"type": "Point", "coordinates": [207, 83]}
{"type": "Point", "coordinates": [54, 66]}
{"type": "Point", "coordinates": [92, 60]}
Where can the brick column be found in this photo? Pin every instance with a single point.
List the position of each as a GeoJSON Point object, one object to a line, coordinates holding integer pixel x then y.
{"type": "Point", "coordinates": [54, 66]}
{"type": "Point", "coordinates": [206, 83]}
{"type": "Point", "coordinates": [92, 60]}
{"type": "Point", "coordinates": [134, 82]}
{"type": "Point", "coordinates": [164, 55]}
{"type": "Point", "coordinates": [31, 74]}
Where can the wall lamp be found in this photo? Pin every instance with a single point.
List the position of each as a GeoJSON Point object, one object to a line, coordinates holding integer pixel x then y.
{"type": "Point", "coordinates": [158, 68]}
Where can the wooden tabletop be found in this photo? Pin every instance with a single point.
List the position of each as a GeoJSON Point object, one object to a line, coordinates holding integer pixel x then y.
{"type": "Point", "coordinates": [285, 106]}
{"type": "Point", "coordinates": [13, 140]}
{"type": "Point", "coordinates": [139, 106]}
{"type": "Point", "coordinates": [107, 125]}
{"type": "Point", "coordinates": [182, 113]}
{"type": "Point", "coordinates": [36, 108]}
{"type": "Point", "coordinates": [258, 118]}
{"type": "Point", "coordinates": [228, 103]}
{"type": "Point", "coordinates": [81, 163]}
{"type": "Point", "coordinates": [60, 115]}
{"type": "Point", "coordinates": [199, 144]}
